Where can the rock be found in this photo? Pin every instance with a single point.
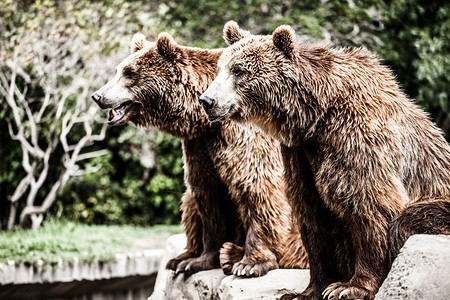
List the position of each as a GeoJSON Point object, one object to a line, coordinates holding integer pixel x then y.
{"type": "Point", "coordinates": [270, 286]}
{"type": "Point", "coordinates": [213, 284]}
{"type": "Point", "coordinates": [175, 245]}
{"type": "Point", "coordinates": [421, 270]}
{"type": "Point", "coordinates": [200, 286]}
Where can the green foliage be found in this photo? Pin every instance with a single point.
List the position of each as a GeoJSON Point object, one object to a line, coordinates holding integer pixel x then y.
{"type": "Point", "coordinates": [200, 22]}
{"type": "Point", "coordinates": [132, 187]}
{"type": "Point", "coordinates": [417, 46]}
{"type": "Point", "coordinates": [67, 240]}
{"type": "Point", "coordinates": [98, 31]}
{"type": "Point", "coordinates": [141, 179]}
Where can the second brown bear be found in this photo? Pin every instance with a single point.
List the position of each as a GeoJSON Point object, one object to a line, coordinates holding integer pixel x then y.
{"type": "Point", "coordinates": [365, 166]}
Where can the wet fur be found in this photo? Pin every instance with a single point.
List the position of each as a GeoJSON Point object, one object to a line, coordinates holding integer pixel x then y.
{"type": "Point", "coordinates": [365, 167]}
{"type": "Point", "coordinates": [233, 173]}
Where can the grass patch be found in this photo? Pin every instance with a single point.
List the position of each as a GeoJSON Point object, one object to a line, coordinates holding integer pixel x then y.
{"type": "Point", "coordinates": [66, 240]}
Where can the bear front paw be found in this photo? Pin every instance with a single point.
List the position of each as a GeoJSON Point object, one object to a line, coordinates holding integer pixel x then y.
{"type": "Point", "coordinates": [174, 262]}
{"type": "Point", "coordinates": [229, 255]}
{"type": "Point", "coordinates": [206, 261]}
{"type": "Point", "coordinates": [256, 269]}
{"type": "Point", "coordinates": [232, 261]}
{"type": "Point", "coordinates": [346, 291]}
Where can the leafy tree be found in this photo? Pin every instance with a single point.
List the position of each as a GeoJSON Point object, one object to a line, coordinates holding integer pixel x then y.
{"type": "Point", "coordinates": [201, 22]}
{"type": "Point", "coordinates": [416, 43]}
{"type": "Point", "coordinates": [141, 178]}
{"type": "Point", "coordinates": [56, 45]}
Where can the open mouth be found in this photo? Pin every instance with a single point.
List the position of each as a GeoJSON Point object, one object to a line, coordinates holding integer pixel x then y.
{"type": "Point", "coordinates": [220, 117]}
{"type": "Point", "coordinates": [215, 118]}
{"type": "Point", "coordinates": [116, 114]}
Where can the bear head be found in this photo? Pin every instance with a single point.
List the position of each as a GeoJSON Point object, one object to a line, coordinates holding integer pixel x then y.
{"type": "Point", "coordinates": [249, 72]}
{"type": "Point", "coordinates": [259, 78]}
{"type": "Point", "coordinates": [155, 86]}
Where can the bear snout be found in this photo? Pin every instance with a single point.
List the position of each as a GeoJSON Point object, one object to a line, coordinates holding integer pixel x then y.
{"type": "Point", "coordinates": [97, 98]}
{"type": "Point", "coordinates": [207, 102]}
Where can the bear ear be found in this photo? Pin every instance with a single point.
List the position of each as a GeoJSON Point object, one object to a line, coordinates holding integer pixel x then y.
{"type": "Point", "coordinates": [138, 42]}
{"type": "Point", "coordinates": [166, 46]}
{"type": "Point", "coordinates": [232, 33]}
{"type": "Point", "coordinates": [284, 39]}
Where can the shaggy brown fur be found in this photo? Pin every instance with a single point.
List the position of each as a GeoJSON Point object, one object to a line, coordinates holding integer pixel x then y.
{"type": "Point", "coordinates": [358, 153]}
{"type": "Point", "coordinates": [235, 188]}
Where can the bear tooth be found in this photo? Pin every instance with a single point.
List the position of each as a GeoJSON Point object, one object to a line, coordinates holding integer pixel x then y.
{"type": "Point", "coordinates": [113, 112]}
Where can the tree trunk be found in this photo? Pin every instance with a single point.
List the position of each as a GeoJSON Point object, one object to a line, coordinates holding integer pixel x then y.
{"type": "Point", "coordinates": [12, 215]}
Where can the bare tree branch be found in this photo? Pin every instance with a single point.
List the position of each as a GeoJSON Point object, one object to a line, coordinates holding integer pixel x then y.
{"type": "Point", "coordinates": [16, 68]}
{"type": "Point", "coordinates": [40, 124]}
{"type": "Point", "coordinates": [92, 154]}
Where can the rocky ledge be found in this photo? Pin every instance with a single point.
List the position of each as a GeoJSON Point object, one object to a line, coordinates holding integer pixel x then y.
{"type": "Point", "coordinates": [421, 271]}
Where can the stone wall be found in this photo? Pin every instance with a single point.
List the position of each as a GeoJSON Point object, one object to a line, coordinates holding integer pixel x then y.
{"type": "Point", "coordinates": [131, 276]}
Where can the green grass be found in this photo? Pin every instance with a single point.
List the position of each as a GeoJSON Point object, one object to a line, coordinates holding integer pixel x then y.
{"type": "Point", "coordinates": [66, 240]}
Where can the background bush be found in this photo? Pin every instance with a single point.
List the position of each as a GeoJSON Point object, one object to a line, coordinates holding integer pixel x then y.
{"type": "Point", "coordinates": [141, 182]}
{"type": "Point", "coordinates": [141, 179]}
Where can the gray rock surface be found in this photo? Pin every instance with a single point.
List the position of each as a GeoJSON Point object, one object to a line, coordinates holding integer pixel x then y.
{"type": "Point", "coordinates": [421, 270]}
{"type": "Point", "coordinates": [213, 284]}
{"type": "Point", "coordinates": [175, 245]}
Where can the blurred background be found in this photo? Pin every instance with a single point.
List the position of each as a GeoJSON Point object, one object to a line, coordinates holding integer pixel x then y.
{"type": "Point", "coordinates": [58, 159]}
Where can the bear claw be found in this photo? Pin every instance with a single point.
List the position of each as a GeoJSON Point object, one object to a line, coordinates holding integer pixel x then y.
{"type": "Point", "coordinates": [197, 264]}
{"type": "Point", "coordinates": [329, 293]}
{"type": "Point", "coordinates": [243, 269]}
{"type": "Point", "coordinates": [345, 291]}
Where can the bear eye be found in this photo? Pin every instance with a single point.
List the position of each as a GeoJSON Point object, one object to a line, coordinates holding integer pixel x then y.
{"type": "Point", "coordinates": [237, 71]}
{"type": "Point", "coordinates": [128, 73]}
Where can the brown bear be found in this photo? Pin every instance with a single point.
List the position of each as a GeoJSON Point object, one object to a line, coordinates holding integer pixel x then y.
{"type": "Point", "coordinates": [358, 153]}
{"type": "Point", "coordinates": [235, 193]}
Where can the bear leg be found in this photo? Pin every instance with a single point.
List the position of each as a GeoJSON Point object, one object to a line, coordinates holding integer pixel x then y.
{"type": "Point", "coordinates": [325, 237]}
{"type": "Point", "coordinates": [332, 244]}
{"type": "Point", "coordinates": [194, 231]}
{"type": "Point", "coordinates": [293, 255]}
{"type": "Point", "coordinates": [259, 257]}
